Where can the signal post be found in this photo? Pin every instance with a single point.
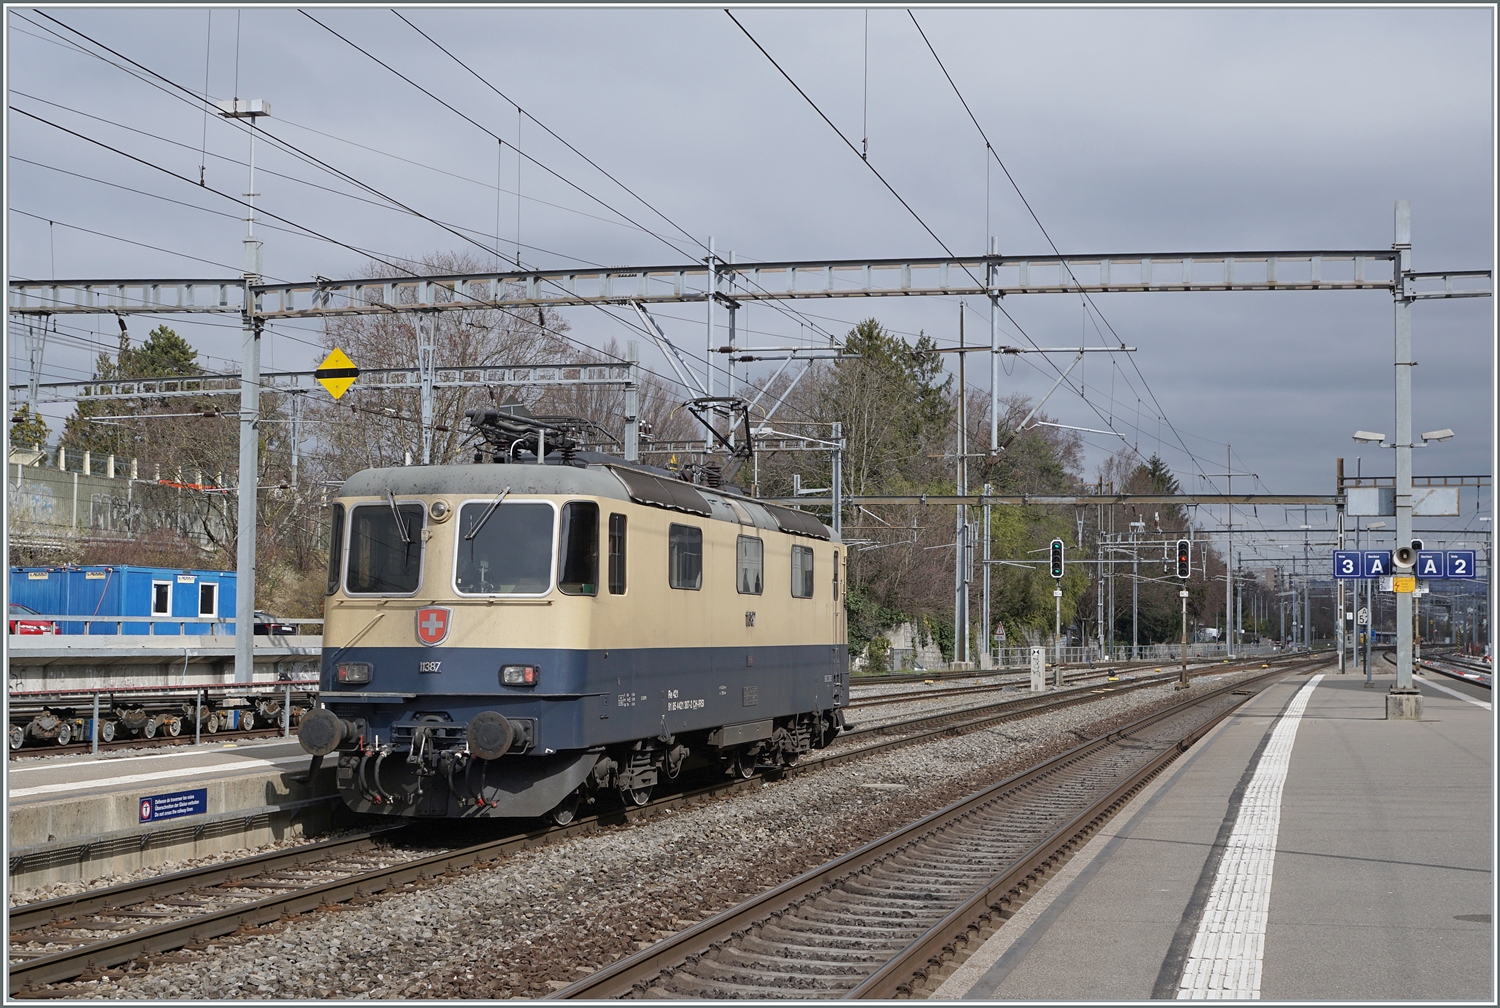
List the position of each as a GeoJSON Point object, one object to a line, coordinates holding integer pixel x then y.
{"type": "Point", "coordinates": [1184, 570]}
{"type": "Point", "coordinates": [1057, 573]}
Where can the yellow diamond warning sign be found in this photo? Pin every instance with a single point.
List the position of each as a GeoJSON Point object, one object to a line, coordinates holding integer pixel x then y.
{"type": "Point", "coordinates": [336, 373]}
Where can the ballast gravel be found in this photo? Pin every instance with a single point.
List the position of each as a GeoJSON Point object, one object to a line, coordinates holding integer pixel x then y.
{"type": "Point", "coordinates": [57, 890]}
{"type": "Point", "coordinates": [541, 919]}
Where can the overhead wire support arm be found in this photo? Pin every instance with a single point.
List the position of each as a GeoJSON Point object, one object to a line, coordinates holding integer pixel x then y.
{"type": "Point", "coordinates": [1021, 427]}
{"type": "Point", "coordinates": [684, 373]}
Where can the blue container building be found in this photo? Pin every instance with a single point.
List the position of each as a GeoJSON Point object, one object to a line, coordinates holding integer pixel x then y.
{"type": "Point", "coordinates": [171, 595]}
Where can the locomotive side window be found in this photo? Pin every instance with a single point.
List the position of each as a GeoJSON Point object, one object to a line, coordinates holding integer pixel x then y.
{"type": "Point", "coordinates": [335, 548]}
{"type": "Point", "coordinates": [617, 554]}
{"type": "Point", "coordinates": [504, 549]}
{"type": "Point", "coordinates": [749, 565]}
{"type": "Point", "coordinates": [385, 549]}
{"type": "Point", "coordinates": [685, 557]}
{"type": "Point", "coordinates": [835, 575]}
{"type": "Point", "coordinates": [802, 572]}
{"type": "Point", "coordinates": [578, 549]}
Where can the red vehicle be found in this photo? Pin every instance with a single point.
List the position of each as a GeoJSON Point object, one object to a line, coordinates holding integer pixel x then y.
{"type": "Point", "coordinates": [21, 624]}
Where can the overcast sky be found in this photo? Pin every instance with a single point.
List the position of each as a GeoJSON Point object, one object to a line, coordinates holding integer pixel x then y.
{"type": "Point", "coordinates": [1126, 130]}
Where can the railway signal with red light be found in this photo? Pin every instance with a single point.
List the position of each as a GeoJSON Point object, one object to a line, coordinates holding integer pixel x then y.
{"type": "Point", "coordinates": [1057, 558]}
{"type": "Point", "coordinates": [1184, 559]}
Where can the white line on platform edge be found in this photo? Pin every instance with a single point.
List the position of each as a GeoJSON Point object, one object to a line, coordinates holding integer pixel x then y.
{"type": "Point", "coordinates": [139, 778]}
{"type": "Point", "coordinates": [1225, 960]}
{"type": "Point", "coordinates": [1453, 692]}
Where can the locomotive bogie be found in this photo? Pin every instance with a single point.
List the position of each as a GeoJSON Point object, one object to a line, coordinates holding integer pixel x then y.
{"type": "Point", "coordinates": [616, 639]}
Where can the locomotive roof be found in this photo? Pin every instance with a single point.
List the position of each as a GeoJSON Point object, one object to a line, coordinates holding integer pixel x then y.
{"type": "Point", "coordinates": [621, 482]}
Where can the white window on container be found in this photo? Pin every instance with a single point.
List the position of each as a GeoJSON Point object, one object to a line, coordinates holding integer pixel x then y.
{"type": "Point", "coordinates": [208, 599]}
{"type": "Point", "coordinates": [802, 572]}
{"type": "Point", "coordinates": [161, 598]}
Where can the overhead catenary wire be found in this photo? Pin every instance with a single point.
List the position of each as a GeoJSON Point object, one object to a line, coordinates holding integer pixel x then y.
{"type": "Point", "coordinates": [477, 125]}
{"type": "Point", "coordinates": [822, 115]}
{"type": "Point", "coordinates": [990, 148]}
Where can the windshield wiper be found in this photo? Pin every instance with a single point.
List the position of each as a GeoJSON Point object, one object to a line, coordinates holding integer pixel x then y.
{"type": "Point", "coordinates": [486, 516]}
{"type": "Point", "coordinates": [390, 495]}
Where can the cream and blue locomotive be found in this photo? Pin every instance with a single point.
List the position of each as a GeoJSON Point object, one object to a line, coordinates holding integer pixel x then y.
{"type": "Point", "coordinates": [522, 639]}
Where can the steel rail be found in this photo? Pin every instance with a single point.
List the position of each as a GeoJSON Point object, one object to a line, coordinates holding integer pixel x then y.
{"type": "Point", "coordinates": [628, 974]}
{"type": "Point", "coordinates": [31, 915]}
{"type": "Point", "coordinates": [1009, 679]}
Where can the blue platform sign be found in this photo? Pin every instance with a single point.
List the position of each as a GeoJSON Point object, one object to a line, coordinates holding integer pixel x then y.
{"type": "Point", "coordinates": [1346, 564]}
{"type": "Point", "coordinates": [1460, 564]}
{"type": "Point", "coordinates": [1378, 564]}
{"type": "Point", "coordinates": [1429, 564]}
{"type": "Point", "coordinates": [175, 805]}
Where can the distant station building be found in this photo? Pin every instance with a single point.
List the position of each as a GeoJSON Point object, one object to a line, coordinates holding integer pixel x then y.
{"type": "Point", "coordinates": [175, 600]}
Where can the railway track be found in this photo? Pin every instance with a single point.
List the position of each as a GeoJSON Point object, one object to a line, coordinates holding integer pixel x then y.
{"type": "Point", "coordinates": [141, 742]}
{"type": "Point", "coordinates": [1005, 682]}
{"type": "Point", "coordinates": [883, 678]}
{"type": "Point", "coordinates": [873, 924]}
{"type": "Point", "coordinates": [190, 908]}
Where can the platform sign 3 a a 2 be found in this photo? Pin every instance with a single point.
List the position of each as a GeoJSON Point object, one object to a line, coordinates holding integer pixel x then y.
{"type": "Point", "coordinates": [1431, 565]}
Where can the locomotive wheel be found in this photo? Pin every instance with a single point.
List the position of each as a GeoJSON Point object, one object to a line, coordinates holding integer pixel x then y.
{"type": "Point", "coordinates": [173, 727]}
{"type": "Point", "coordinates": [64, 733]}
{"type": "Point", "coordinates": [636, 797]}
{"type": "Point", "coordinates": [106, 731]}
{"type": "Point", "coordinates": [743, 766]}
{"type": "Point", "coordinates": [150, 728]}
{"type": "Point", "coordinates": [17, 736]}
{"type": "Point", "coordinates": [567, 809]}
{"type": "Point", "coordinates": [212, 724]}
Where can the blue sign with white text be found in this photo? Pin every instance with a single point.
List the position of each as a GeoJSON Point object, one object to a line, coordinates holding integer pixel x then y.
{"type": "Point", "coordinates": [172, 806]}
{"type": "Point", "coordinates": [1378, 564]}
{"type": "Point", "coordinates": [1346, 564]}
{"type": "Point", "coordinates": [1460, 564]}
{"type": "Point", "coordinates": [1429, 564]}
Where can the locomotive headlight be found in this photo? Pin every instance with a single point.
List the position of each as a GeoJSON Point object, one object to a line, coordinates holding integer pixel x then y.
{"type": "Point", "coordinates": [519, 675]}
{"type": "Point", "coordinates": [440, 510]}
{"type": "Point", "coordinates": [352, 672]}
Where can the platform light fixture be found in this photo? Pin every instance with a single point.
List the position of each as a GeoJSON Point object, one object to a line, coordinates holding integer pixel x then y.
{"type": "Point", "coordinates": [1437, 435]}
{"type": "Point", "coordinates": [1368, 437]}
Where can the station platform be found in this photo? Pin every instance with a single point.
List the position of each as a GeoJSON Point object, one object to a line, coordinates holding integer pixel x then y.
{"type": "Point", "coordinates": [73, 818]}
{"type": "Point", "coordinates": [1306, 849]}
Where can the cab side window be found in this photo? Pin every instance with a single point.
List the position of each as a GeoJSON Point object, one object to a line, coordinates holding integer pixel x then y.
{"type": "Point", "coordinates": [578, 542]}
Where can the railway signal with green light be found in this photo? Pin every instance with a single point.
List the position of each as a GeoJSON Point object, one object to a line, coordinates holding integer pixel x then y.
{"type": "Point", "coordinates": [1057, 558]}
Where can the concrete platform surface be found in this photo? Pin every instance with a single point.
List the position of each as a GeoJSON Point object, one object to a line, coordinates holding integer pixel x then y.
{"type": "Point", "coordinates": [74, 818]}
{"type": "Point", "coordinates": [1306, 849]}
{"type": "Point", "coordinates": [32, 781]}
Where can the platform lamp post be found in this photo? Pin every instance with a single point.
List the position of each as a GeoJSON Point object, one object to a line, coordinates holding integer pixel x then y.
{"type": "Point", "coordinates": [244, 565]}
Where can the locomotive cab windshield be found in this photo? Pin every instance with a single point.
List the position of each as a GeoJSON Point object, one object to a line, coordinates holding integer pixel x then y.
{"type": "Point", "coordinates": [504, 549]}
